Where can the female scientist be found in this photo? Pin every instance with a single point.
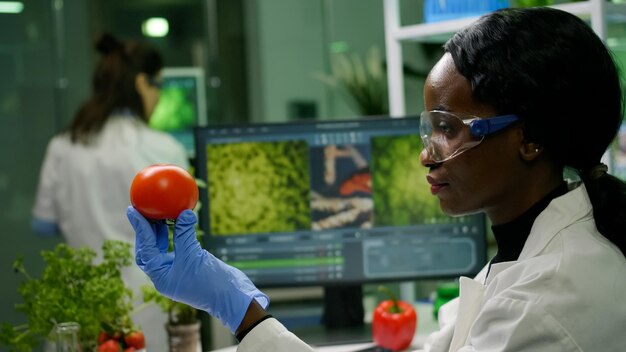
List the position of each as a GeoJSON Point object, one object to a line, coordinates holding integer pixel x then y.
{"type": "Point", "coordinates": [518, 96]}
{"type": "Point", "coordinates": [88, 169]}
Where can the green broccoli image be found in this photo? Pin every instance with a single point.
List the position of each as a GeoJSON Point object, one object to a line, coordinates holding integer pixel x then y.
{"type": "Point", "coordinates": [400, 191]}
{"type": "Point", "coordinates": [258, 187]}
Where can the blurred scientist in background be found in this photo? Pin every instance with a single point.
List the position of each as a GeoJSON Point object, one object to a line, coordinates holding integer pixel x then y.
{"type": "Point", "coordinates": [88, 169]}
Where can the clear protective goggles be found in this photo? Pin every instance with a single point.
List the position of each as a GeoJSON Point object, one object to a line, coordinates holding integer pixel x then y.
{"type": "Point", "coordinates": [445, 135]}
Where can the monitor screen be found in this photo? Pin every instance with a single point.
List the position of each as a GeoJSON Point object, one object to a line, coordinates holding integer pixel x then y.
{"type": "Point", "coordinates": [329, 203]}
{"type": "Point", "coordinates": [619, 153]}
{"type": "Point", "coordinates": [182, 104]}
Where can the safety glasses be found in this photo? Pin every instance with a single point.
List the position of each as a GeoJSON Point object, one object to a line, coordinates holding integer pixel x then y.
{"type": "Point", "coordinates": [446, 135]}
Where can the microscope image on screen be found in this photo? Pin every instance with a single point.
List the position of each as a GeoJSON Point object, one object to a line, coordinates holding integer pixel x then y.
{"type": "Point", "coordinates": [260, 187]}
{"type": "Point", "coordinates": [341, 187]}
{"type": "Point", "coordinates": [401, 193]}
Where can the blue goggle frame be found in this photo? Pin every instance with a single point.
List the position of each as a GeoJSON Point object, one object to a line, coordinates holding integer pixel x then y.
{"type": "Point", "coordinates": [481, 127]}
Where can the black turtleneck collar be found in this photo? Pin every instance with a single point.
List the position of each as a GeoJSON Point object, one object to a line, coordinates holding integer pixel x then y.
{"type": "Point", "coordinates": [510, 237]}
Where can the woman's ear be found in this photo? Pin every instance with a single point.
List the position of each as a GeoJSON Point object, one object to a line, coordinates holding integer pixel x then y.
{"type": "Point", "coordinates": [530, 151]}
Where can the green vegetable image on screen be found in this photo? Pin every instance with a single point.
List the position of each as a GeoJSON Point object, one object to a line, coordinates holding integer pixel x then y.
{"type": "Point", "coordinates": [174, 111]}
{"type": "Point", "coordinates": [258, 187]}
{"type": "Point", "coordinates": [400, 191]}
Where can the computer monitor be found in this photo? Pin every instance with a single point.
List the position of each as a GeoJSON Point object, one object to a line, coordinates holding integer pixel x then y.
{"type": "Point", "coordinates": [182, 104]}
{"type": "Point", "coordinates": [618, 153]}
{"type": "Point", "coordinates": [329, 203]}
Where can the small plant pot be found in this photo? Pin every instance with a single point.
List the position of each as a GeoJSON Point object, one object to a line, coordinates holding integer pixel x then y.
{"type": "Point", "coordinates": [183, 338]}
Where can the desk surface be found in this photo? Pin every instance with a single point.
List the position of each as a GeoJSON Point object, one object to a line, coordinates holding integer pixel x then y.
{"type": "Point", "coordinates": [355, 339]}
{"type": "Point", "coordinates": [338, 348]}
{"type": "Point", "coordinates": [418, 341]}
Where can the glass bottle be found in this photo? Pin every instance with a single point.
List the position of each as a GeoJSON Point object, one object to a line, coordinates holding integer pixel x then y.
{"type": "Point", "coordinates": [66, 337]}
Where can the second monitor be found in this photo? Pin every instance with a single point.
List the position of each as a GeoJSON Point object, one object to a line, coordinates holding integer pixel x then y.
{"type": "Point", "coordinates": [182, 104]}
{"type": "Point", "coordinates": [329, 203]}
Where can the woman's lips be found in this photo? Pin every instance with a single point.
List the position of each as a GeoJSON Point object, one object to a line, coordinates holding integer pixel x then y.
{"type": "Point", "coordinates": [435, 185]}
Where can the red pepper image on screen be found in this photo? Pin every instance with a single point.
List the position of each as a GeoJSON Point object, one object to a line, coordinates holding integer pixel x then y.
{"type": "Point", "coordinates": [360, 181]}
{"type": "Point", "coordinates": [394, 323]}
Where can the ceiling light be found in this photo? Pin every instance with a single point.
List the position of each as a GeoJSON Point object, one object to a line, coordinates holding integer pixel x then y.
{"type": "Point", "coordinates": [11, 7]}
{"type": "Point", "coordinates": [155, 27]}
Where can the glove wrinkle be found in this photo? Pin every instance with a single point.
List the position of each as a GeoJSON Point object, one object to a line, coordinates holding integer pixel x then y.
{"type": "Point", "coordinates": [163, 241]}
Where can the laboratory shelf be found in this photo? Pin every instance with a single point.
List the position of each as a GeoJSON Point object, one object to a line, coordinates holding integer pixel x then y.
{"type": "Point", "coordinates": [597, 12]}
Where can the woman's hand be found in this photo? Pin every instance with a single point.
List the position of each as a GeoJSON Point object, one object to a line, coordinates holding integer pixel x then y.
{"type": "Point", "coordinates": [192, 275]}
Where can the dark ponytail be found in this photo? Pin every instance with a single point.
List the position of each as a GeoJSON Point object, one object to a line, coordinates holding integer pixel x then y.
{"type": "Point", "coordinates": [608, 197]}
{"type": "Point", "coordinates": [113, 85]}
{"type": "Point", "coordinates": [548, 67]}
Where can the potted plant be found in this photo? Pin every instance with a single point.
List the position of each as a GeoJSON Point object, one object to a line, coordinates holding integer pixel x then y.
{"type": "Point", "coordinates": [363, 82]}
{"type": "Point", "coordinates": [72, 288]}
{"type": "Point", "coordinates": [183, 325]}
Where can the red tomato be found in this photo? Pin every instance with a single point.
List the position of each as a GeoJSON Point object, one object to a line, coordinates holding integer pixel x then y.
{"type": "Point", "coordinates": [163, 191]}
{"type": "Point", "coordinates": [135, 339]}
{"type": "Point", "coordinates": [102, 337]}
{"type": "Point", "coordinates": [394, 330]}
{"type": "Point", "coordinates": [110, 346]}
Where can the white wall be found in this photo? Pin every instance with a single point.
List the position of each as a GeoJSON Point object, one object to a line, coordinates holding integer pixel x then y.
{"type": "Point", "coordinates": [289, 41]}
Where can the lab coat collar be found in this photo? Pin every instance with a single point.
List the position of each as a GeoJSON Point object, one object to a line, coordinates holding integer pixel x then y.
{"type": "Point", "coordinates": [470, 302]}
{"type": "Point", "coordinates": [488, 273]}
{"type": "Point", "coordinates": [123, 112]}
{"type": "Point", "coordinates": [561, 212]}
{"type": "Point", "coordinates": [496, 269]}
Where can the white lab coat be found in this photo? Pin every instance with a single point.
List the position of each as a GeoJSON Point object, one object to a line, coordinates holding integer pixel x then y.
{"type": "Point", "coordinates": [84, 190]}
{"type": "Point", "coordinates": [566, 292]}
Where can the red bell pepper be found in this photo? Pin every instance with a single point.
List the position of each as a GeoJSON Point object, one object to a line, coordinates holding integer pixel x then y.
{"type": "Point", "coordinates": [394, 323]}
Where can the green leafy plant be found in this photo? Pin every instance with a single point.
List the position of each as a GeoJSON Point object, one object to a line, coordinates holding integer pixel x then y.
{"type": "Point", "coordinates": [362, 81]}
{"type": "Point", "coordinates": [73, 288]}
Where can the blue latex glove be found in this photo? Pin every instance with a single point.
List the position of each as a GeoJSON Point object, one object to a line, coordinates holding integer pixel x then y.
{"type": "Point", "coordinates": [190, 274]}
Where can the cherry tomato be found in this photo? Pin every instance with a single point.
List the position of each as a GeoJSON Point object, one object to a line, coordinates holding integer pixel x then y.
{"type": "Point", "coordinates": [110, 346]}
{"type": "Point", "coordinates": [135, 339]}
{"type": "Point", "coordinates": [103, 337]}
{"type": "Point", "coordinates": [163, 191]}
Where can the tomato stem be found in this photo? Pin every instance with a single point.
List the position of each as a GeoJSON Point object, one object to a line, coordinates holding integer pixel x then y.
{"type": "Point", "coordinates": [395, 308]}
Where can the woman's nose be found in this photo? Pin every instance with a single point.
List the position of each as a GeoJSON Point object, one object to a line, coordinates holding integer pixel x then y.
{"type": "Point", "coordinates": [426, 159]}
